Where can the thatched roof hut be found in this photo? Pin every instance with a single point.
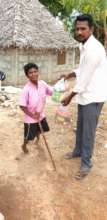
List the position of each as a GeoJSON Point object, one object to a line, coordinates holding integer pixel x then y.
{"type": "Point", "coordinates": [28, 25]}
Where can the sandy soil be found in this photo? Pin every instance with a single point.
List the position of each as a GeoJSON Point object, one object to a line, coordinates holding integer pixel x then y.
{"type": "Point", "coordinates": [31, 190]}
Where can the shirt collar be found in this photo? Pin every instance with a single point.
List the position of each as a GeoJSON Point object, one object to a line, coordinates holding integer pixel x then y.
{"type": "Point", "coordinates": [32, 84]}
{"type": "Point", "coordinates": [84, 46]}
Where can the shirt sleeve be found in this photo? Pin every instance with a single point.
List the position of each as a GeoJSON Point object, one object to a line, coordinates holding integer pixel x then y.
{"type": "Point", "coordinates": [91, 62]}
{"type": "Point", "coordinates": [49, 89]}
{"type": "Point", "coordinates": [23, 98]}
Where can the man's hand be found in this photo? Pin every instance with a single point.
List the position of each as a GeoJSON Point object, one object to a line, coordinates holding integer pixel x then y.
{"type": "Point", "coordinates": [70, 75]}
{"type": "Point", "coordinates": [66, 100]}
{"type": "Point", "coordinates": [66, 76]}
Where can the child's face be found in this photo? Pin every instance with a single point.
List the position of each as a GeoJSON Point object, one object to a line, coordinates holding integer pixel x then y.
{"type": "Point", "coordinates": [33, 75]}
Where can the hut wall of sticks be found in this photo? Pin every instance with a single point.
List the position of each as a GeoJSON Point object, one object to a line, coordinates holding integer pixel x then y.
{"type": "Point", "coordinates": [29, 33]}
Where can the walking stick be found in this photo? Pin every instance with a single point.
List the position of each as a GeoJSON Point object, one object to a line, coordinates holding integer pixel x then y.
{"type": "Point", "coordinates": [47, 146]}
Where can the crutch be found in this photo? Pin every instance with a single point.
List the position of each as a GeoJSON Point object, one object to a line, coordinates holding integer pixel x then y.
{"type": "Point", "coordinates": [47, 146]}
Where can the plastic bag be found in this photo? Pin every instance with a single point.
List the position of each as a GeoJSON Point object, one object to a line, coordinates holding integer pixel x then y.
{"type": "Point", "coordinates": [63, 114]}
{"type": "Point", "coordinates": [59, 88]}
{"type": "Point", "coordinates": [60, 85]}
{"type": "Point", "coordinates": [56, 96]}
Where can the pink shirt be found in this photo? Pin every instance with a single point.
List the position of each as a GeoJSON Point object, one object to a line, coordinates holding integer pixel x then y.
{"type": "Point", "coordinates": [34, 98]}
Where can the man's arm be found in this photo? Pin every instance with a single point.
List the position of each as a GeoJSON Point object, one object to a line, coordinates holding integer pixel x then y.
{"type": "Point", "coordinates": [68, 99]}
{"type": "Point", "coordinates": [70, 75]}
{"type": "Point", "coordinates": [67, 76]}
{"type": "Point", "coordinates": [88, 68]}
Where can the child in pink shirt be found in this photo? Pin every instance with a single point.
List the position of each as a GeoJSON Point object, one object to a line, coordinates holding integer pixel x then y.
{"type": "Point", "coordinates": [32, 103]}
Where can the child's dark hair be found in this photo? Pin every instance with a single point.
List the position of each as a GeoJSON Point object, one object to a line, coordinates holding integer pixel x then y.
{"type": "Point", "coordinates": [85, 17]}
{"type": "Point", "coordinates": [28, 66]}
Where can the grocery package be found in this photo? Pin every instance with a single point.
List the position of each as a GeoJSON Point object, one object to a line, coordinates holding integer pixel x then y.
{"type": "Point", "coordinates": [59, 88]}
{"type": "Point", "coordinates": [63, 114]}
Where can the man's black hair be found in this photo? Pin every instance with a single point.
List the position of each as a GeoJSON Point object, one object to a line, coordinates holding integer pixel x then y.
{"type": "Point", "coordinates": [28, 66]}
{"type": "Point", "coordinates": [85, 17]}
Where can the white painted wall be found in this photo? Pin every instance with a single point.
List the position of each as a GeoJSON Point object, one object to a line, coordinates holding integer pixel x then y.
{"type": "Point", "coordinates": [13, 60]}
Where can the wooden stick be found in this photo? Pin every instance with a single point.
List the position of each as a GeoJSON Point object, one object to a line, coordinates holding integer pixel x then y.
{"type": "Point", "coordinates": [47, 146]}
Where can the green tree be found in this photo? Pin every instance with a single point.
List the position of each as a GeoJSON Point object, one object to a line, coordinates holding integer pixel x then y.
{"type": "Point", "coordinates": [105, 21]}
{"type": "Point", "coordinates": [94, 7]}
{"type": "Point", "coordinates": [66, 6]}
{"type": "Point", "coordinates": [53, 6]}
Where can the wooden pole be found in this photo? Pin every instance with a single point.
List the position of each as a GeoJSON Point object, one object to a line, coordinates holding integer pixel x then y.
{"type": "Point", "coordinates": [47, 146]}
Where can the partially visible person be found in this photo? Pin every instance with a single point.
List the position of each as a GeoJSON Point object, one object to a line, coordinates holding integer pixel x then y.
{"type": "Point", "coordinates": [89, 92]}
{"type": "Point", "coordinates": [2, 216]}
{"type": "Point", "coordinates": [2, 78]}
{"type": "Point", "coordinates": [32, 103]}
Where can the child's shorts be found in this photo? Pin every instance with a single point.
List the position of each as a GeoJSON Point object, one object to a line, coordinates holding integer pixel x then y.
{"type": "Point", "coordinates": [33, 130]}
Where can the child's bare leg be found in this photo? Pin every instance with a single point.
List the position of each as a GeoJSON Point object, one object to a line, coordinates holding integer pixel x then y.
{"type": "Point", "coordinates": [24, 148]}
{"type": "Point", "coordinates": [36, 139]}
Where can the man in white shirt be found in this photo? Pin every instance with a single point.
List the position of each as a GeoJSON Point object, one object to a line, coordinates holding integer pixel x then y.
{"type": "Point", "coordinates": [90, 91]}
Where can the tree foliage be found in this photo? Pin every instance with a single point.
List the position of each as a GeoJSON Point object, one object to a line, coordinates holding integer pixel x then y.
{"type": "Point", "coordinates": [54, 6]}
{"type": "Point", "coordinates": [94, 7]}
{"type": "Point", "coordinates": [66, 6]}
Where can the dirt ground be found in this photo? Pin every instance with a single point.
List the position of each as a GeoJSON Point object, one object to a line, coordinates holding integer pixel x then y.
{"type": "Point", "coordinates": [31, 190]}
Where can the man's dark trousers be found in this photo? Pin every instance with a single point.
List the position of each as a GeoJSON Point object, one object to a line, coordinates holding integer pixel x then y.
{"type": "Point", "coordinates": [87, 121]}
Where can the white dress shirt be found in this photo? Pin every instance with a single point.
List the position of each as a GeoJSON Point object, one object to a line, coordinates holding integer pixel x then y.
{"type": "Point", "coordinates": [91, 76]}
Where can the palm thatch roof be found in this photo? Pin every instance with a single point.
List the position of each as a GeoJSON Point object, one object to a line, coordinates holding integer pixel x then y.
{"type": "Point", "coordinates": [28, 24]}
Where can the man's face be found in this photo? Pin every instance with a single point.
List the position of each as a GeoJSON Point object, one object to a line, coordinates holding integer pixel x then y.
{"type": "Point", "coordinates": [82, 31]}
{"type": "Point", "coordinates": [33, 75]}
